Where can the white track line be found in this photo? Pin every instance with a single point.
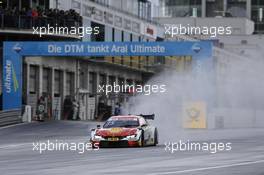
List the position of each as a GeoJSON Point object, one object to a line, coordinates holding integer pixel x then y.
{"type": "Point", "coordinates": [14, 145]}
{"type": "Point", "coordinates": [211, 168]}
{"type": "Point", "coordinates": [13, 125]}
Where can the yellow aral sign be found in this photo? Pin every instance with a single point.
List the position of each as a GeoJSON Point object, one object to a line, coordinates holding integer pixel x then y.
{"type": "Point", "coordinates": [194, 115]}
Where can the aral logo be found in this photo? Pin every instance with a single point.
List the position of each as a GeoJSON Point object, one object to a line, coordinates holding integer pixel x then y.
{"type": "Point", "coordinates": [10, 77]}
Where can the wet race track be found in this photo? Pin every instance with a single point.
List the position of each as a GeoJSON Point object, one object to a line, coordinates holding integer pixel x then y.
{"type": "Point", "coordinates": [17, 155]}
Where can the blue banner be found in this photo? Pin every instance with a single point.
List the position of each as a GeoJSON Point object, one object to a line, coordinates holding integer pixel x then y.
{"type": "Point", "coordinates": [12, 80]}
{"type": "Point", "coordinates": [14, 51]}
{"type": "Point", "coordinates": [113, 48]}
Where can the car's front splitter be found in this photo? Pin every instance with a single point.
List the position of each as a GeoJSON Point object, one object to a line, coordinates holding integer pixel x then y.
{"type": "Point", "coordinates": [121, 143]}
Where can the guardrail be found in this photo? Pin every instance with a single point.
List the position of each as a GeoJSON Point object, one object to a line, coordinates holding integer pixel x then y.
{"type": "Point", "coordinates": [10, 117]}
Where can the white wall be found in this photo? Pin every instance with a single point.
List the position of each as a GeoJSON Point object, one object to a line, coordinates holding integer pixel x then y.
{"type": "Point", "coordinates": [237, 118]}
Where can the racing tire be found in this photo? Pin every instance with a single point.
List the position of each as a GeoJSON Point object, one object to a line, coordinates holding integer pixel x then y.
{"type": "Point", "coordinates": [142, 141]}
{"type": "Point", "coordinates": [156, 140]}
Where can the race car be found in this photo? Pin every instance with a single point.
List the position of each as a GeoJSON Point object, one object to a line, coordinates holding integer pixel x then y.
{"type": "Point", "coordinates": [125, 131]}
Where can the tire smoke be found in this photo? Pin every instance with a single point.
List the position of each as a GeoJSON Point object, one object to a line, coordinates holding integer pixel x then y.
{"type": "Point", "coordinates": [233, 93]}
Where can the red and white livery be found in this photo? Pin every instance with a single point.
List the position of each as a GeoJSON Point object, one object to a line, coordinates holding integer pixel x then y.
{"type": "Point", "coordinates": [125, 131]}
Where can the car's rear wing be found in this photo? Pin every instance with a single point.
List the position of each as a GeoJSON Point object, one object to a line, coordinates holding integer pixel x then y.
{"type": "Point", "coordinates": [148, 117]}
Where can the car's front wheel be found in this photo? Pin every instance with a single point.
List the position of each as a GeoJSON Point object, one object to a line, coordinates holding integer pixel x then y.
{"type": "Point", "coordinates": [141, 140]}
{"type": "Point", "coordinates": [156, 141]}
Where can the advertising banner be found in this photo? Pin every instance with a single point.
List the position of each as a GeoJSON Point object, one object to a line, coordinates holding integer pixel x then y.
{"type": "Point", "coordinates": [12, 89]}
{"type": "Point", "coordinates": [197, 49]}
{"type": "Point", "coordinates": [15, 51]}
{"type": "Point", "coordinates": [194, 115]}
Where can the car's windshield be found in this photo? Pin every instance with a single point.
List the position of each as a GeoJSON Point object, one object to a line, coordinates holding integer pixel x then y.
{"type": "Point", "coordinates": [121, 123]}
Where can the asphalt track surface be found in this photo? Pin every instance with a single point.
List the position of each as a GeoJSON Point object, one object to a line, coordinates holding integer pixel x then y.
{"type": "Point", "coordinates": [18, 158]}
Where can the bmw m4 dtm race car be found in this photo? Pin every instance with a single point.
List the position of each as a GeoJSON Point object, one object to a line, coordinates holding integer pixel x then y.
{"type": "Point", "coordinates": [125, 131]}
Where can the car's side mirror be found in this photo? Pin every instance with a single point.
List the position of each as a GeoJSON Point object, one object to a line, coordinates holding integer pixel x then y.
{"type": "Point", "coordinates": [144, 125]}
{"type": "Point", "coordinates": [98, 126]}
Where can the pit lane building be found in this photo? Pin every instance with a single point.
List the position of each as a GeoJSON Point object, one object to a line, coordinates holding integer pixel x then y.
{"type": "Point", "coordinates": [57, 78]}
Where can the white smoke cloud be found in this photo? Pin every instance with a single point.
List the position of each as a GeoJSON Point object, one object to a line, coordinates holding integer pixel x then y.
{"type": "Point", "coordinates": [234, 90]}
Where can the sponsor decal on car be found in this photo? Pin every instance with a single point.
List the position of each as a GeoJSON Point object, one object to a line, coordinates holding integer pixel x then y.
{"type": "Point", "coordinates": [116, 130]}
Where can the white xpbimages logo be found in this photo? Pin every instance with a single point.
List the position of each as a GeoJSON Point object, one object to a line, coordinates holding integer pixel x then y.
{"type": "Point", "coordinates": [126, 88]}
{"type": "Point", "coordinates": [58, 145]}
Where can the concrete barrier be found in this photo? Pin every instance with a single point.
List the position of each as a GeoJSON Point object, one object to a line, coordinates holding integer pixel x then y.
{"type": "Point", "coordinates": [10, 117]}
